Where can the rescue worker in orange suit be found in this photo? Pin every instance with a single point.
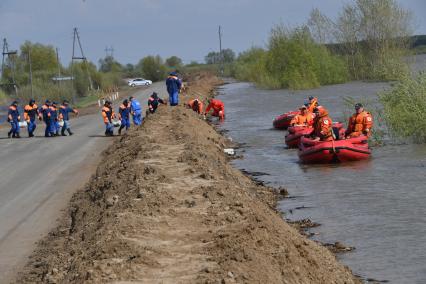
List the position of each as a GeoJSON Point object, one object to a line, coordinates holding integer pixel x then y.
{"type": "Point", "coordinates": [360, 123]}
{"type": "Point", "coordinates": [154, 101]}
{"type": "Point", "coordinates": [44, 114]}
{"type": "Point", "coordinates": [124, 115]}
{"type": "Point", "coordinates": [108, 115]}
{"type": "Point", "coordinates": [30, 115]}
{"type": "Point", "coordinates": [64, 115]}
{"type": "Point", "coordinates": [13, 117]}
{"type": "Point", "coordinates": [218, 108]}
{"type": "Point", "coordinates": [196, 105]}
{"type": "Point", "coordinates": [313, 103]}
{"type": "Point", "coordinates": [304, 118]}
{"type": "Point", "coordinates": [54, 123]}
{"type": "Point", "coordinates": [323, 125]}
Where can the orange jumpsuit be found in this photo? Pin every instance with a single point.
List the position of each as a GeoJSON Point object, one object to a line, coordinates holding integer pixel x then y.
{"type": "Point", "coordinates": [108, 114]}
{"type": "Point", "coordinates": [312, 105]}
{"type": "Point", "coordinates": [218, 108]}
{"type": "Point", "coordinates": [323, 126]}
{"type": "Point", "coordinates": [300, 119]}
{"type": "Point", "coordinates": [360, 123]}
{"type": "Point", "coordinates": [198, 109]}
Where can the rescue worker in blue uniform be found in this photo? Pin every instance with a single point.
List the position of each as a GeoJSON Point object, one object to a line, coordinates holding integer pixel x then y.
{"type": "Point", "coordinates": [54, 123]}
{"type": "Point", "coordinates": [136, 111]}
{"type": "Point", "coordinates": [153, 102]}
{"type": "Point", "coordinates": [45, 116]}
{"type": "Point", "coordinates": [30, 114]}
{"type": "Point", "coordinates": [13, 117]}
{"type": "Point", "coordinates": [173, 87]}
{"type": "Point", "coordinates": [124, 115]}
{"type": "Point", "coordinates": [64, 111]}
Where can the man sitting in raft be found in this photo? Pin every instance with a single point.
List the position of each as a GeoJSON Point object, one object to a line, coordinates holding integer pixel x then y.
{"type": "Point", "coordinates": [218, 108]}
{"type": "Point", "coordinates": [323, 125]}
{"type": "Point", "coordinates": [304, 118]}
{"type": "Point", "coordinates": [360, 123]}
{"type": "Point", "coordinates": [196, 105]}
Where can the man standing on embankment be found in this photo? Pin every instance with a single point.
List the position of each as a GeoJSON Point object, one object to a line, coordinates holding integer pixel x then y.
{"type": "Point", "coordinates": [173, 86]}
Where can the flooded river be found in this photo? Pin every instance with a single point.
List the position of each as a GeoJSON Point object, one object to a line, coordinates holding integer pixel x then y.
{"type": "Point", "coordinates": [377, 206]}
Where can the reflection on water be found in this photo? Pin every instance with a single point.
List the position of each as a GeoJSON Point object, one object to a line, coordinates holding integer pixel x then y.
{"type": "Point", "coordinates": [378, 205]}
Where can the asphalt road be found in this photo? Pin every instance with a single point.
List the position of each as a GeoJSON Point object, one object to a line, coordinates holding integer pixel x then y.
{"type": "Point", "coordinates": [38, 177]}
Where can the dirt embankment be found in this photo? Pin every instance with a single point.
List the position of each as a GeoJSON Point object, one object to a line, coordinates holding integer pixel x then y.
{"type": "Point", "coordinates": [165, 206]}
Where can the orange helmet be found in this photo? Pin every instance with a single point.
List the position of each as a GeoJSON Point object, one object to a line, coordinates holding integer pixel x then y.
{"type": "Point", "coordinates": [320, 111]}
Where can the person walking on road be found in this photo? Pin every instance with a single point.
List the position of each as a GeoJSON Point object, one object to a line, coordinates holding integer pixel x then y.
{"type": "Point", "coordinates": [13, 117]}
{"type": "Point", "coordinates": [108, 115]}
{"type": "Point", "coordinates": [54, 123]}
{"type": "Point", "coordinates": [218, 108]}
{"type": "Point", "coordinates": [30, 114]}
{"type": "Point", "coordinates": [136, 111]}
{"type": "Point", "coordinates": [45, 116]}
{"type": "Point", "coordinates": [64, 111]}
{"type": "Point", "coordinates": [154, 101]}
{"type": "Point", "coordinates": [124, 115]}
{"type": "Point", "coordinates": [173, 87]}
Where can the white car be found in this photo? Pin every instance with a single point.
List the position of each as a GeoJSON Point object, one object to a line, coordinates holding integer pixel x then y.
{"type": "Point", "coordinates": [139, 82]}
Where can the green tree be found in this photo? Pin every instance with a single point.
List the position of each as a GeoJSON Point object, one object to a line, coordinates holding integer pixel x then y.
{"type": "Point", "coordinates": [212, 57]}
{"type": "Point", "coordinates": [376, 36]}
{"type": "Point", "coordinates": [109, 64]}
{"type": "Point", "coordinates": [152, 68]}
{"type": "Point", "coordinates": [228, 55]}
{"type": "Point", "coordinates": [174, 62]}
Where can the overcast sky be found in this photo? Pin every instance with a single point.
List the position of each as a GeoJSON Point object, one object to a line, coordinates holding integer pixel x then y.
{"type": "Point", "coordinates": [136, 28]}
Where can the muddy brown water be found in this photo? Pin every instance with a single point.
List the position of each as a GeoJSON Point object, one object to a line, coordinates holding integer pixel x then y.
{"type": "Point", "coordinates": [377, 206]}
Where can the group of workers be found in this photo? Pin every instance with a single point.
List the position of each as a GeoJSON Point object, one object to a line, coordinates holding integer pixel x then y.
{"type": "Point", "coordinates": [312, 114]}
{"type": "Point", "coordinates": [216, 105]}
{"type": "Point", "coordinates": [129, 107]}
{"type": "Point", "coordinates": [55, 119]}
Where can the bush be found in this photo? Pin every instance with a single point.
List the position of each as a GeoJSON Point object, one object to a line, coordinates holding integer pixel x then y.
{"type": "Point", "coordinates": [43, 90]}
{"type": "Point", "coordinates": [293, 61]}
{"type": "Point", "coordinates": [152, 68]}
{"type": "Point", "coordinates": [405, 108]}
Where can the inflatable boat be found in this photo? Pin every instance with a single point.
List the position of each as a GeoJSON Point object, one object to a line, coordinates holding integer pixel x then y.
{"type": "Point", "coordinates": [352, 149]}
{"type": "Point", "coordinates": [283, 121]}
{"type": "Point", "coordinates": [292, 139]}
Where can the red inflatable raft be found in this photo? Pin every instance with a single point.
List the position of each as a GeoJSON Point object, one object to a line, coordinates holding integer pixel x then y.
{"type": "Point", "coordinates": [292, 139]}
{"type": "Point", "coordinates": [352, 149]}
{"type": "Point", "coordinates": [283, 121]}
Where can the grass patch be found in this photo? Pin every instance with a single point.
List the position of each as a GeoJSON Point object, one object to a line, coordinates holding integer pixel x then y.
{"type": "Point", "coordinates": [405, 108]}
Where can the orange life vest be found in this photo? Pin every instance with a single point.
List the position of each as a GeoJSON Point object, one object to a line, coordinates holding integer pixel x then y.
{"type": "Point", "coordinates": [360, 123]}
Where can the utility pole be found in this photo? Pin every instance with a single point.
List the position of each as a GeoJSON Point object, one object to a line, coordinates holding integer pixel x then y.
{"type": "Point", "coordinates": [9, 53]}
{"type": "Point", "coordinates": [59, 66]}
{"type": "Point", "coordinates": [76, 39]}
{"type": "Point", "coordinates": [220, 51]}
{"type": "Point", "coordinates": [109, 51]}
{"type": "Point", "coordinates": [31, 70]}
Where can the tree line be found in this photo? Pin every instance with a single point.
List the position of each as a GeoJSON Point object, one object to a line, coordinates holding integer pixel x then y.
{"type": "Point", "coordinates": [88, 78]}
